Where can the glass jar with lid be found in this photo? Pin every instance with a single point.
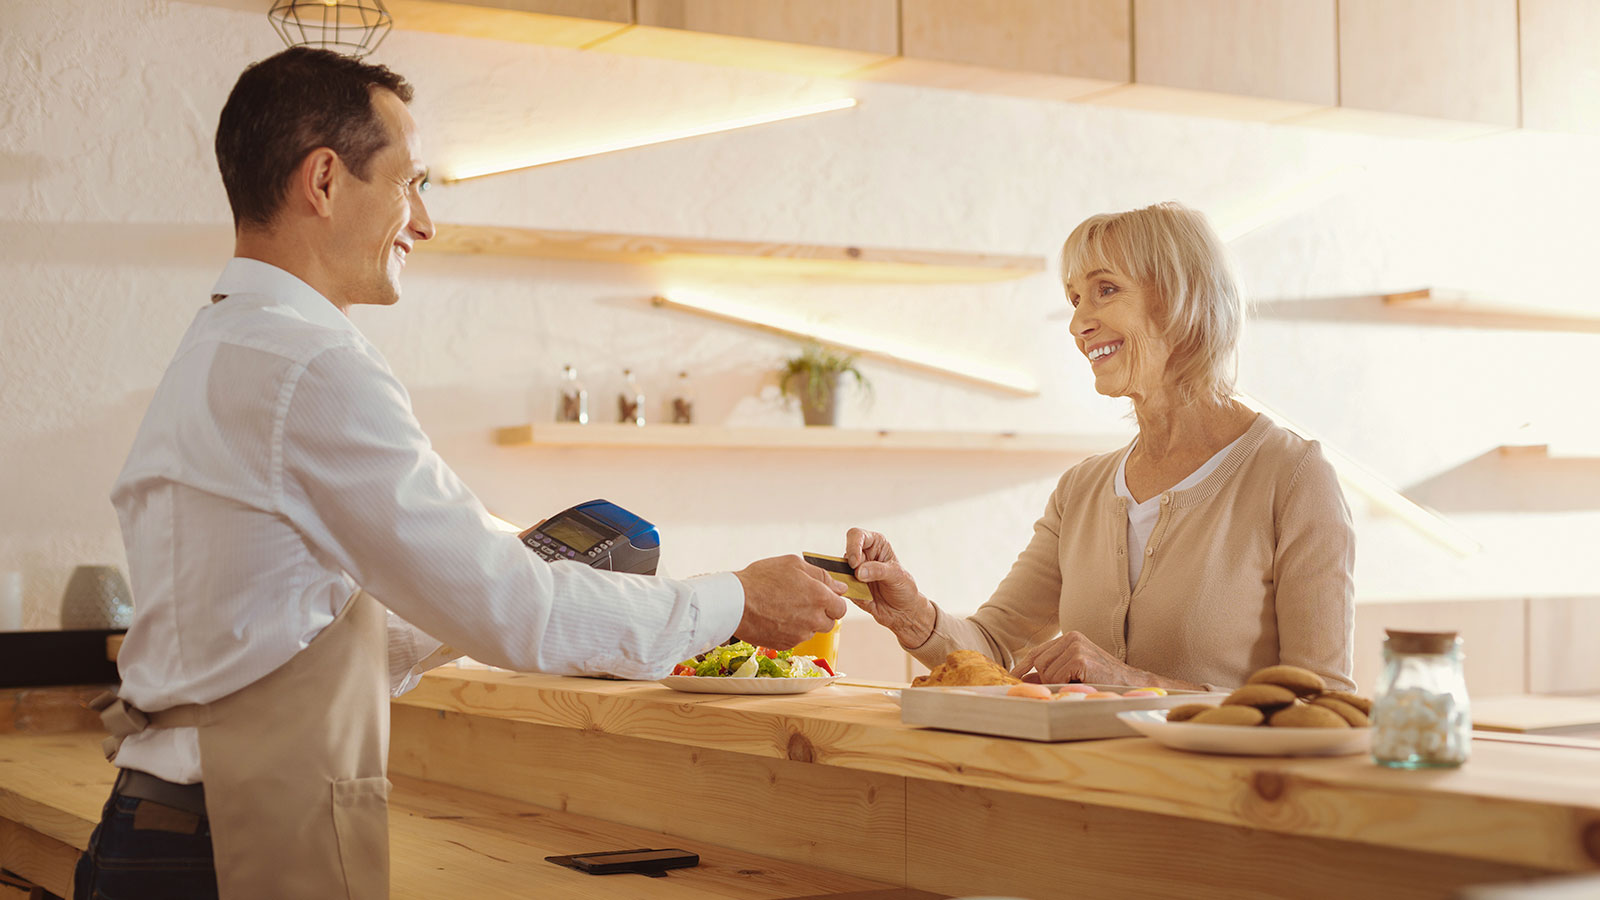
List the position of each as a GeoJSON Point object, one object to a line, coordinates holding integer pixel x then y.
{"type": "Point", "coordinates": [1421, 718]}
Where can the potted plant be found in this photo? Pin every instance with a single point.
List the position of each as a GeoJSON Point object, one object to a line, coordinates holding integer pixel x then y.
{"type": "Point", "coordinates": [815, 376]}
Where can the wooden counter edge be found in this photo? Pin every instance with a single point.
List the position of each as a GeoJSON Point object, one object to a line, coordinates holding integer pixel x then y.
{"type": "Point", "coordinates": [1340, 798]}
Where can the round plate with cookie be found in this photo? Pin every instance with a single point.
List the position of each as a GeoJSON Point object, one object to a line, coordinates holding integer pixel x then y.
{"type": "Point", "coordinates": [1279, 711]}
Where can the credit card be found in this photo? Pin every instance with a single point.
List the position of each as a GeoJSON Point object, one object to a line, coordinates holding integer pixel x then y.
{"type": "Point", "coordinates": [842, 572]}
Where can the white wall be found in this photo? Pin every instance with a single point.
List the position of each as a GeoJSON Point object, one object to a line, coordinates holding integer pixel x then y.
{"type": "Point", "coordinates": [112, 227]}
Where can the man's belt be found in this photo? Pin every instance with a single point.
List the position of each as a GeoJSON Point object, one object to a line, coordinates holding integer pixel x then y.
{"type": "Point", "coordinates": [190, 798]}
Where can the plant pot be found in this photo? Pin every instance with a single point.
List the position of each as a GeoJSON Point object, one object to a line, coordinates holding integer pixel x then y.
{"type": "Point", "coordinates": [825, 411]}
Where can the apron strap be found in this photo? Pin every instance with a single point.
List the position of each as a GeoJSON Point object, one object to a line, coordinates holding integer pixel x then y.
{"type": "Point", "coordinates": [122, 719]}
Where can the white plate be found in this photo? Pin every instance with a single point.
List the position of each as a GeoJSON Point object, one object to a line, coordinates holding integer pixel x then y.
{"type": "Point", "coordinates": [696, 684]}
{"type": "Point", "coordinates": [1237, 740]}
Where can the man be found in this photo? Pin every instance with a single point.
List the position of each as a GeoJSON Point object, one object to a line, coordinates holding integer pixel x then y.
{"type": "Point", "coordinates": [280, 489]}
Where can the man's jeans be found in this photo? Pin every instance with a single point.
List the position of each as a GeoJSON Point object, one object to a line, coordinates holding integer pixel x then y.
{"type": "Point", "coordinates": [144, 849]}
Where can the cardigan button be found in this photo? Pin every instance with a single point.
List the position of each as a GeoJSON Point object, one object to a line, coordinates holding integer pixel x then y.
{"type": "Point", "coordinates": [1149, 551]}
{"type": "Point", "coordinates": [1166, 498]}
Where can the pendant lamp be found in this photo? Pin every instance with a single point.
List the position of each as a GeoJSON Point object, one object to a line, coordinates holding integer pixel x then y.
{"type": "Point", "coordinates": [352, 27]}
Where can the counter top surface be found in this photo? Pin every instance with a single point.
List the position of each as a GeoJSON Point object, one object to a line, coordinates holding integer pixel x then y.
{"type": "Point", "coordinates": [1505, 805]}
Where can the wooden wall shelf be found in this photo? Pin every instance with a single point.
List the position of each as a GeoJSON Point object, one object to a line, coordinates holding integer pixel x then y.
{"type": "Point", "coordinates": [798, 438]}
{"type": "Point", "coordinates": [1457, 308]}
{"type": "Point", "coordinates": [757, 259]}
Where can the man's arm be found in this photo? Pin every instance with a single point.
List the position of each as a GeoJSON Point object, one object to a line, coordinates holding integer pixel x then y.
{"type": "Point", "coordinates": [391, 513]}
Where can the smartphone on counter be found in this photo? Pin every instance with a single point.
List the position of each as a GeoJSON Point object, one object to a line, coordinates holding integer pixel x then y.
{"type": "Point", "coordinates": [642, 862]}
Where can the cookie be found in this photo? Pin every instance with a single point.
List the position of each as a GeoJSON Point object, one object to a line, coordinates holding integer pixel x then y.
{"type": "Point", "coordinates": [1187, 711]}
{"type": "Point", "coordinates": [1301, 681]}
{"type": "Point", "coordinates": [1358, 702]}
{"type": "Point", "coordinates": [1304, 715]}
{"type": "Point", "coordinates": [1346, 711]}
{"type": "Point", "coordinates": [1231, 715]}
{"type": "Point", "coordinates": [1262, 696]}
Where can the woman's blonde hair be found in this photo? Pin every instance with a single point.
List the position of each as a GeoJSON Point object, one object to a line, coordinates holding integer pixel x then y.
{"type": "Point", "coordinates": [1173, 251]}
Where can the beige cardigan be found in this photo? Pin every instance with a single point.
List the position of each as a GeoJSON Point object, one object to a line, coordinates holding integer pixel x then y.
{"type": "Point", "coordinates": [1249, 568]}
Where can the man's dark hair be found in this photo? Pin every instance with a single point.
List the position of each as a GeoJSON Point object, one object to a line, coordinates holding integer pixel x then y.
{"type": "Point", "coordinates": [286, 106]}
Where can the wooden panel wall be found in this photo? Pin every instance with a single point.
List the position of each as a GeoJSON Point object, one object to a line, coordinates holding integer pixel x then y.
{"type": "Point", "coordinates": [1076, 38]}
{"type": "Point", "coordinates": [1446, 59]}
{"type": "Point", "coordinates": [1561, 653]}
{"type": "Point", "coordinates": [1561, 65]}
{"type": "Point", "coordinates": [870, 26]}
{"type": "Point", "coordinates": [1282, 49]}
{"type": "Point", "coordinates": [1493, 633]}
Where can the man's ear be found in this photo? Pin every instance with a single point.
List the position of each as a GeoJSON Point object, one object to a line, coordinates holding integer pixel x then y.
{"type": "Point", "coordinates": [313, 181]}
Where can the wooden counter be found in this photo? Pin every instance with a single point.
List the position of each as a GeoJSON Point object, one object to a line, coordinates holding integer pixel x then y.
{"type": "Point", "coordinates": [445, 842]}
{"type": "Point", "coordinates": [967, 814]}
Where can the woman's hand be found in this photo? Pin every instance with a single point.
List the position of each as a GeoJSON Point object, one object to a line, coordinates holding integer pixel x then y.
{"type": "Point", "coordinates": [1073, 657]}
{"type": "Point", "coordinates": [896, 603]}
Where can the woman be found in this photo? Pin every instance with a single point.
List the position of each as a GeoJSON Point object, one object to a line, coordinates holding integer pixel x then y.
{"type": "Point", "coordinates": [1215, 544]}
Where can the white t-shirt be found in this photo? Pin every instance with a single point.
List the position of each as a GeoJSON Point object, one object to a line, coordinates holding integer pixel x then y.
{"type": "Point", "coordinates": [1142, 516]}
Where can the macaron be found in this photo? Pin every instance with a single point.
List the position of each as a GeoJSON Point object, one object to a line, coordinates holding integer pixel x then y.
{"type": "Point", "coordinates": [1029, 689]}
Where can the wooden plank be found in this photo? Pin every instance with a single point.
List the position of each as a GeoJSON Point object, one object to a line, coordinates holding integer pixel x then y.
{"type": "Point", "coordinates": [1516, 804]}
{"type": "Point", "coordinates": [444, 841]}
{"type": "Point", "coordinates": [757, 259]}
{"type": "Point", "coordinates": [1456, 308]}
{"type": "Point", "coordinates": [565, 434]}
{"type": "Point", "coordinates": [1560, 69]}
{"type": "Point", "coordinates": [1284, 50]}
{"type": "Point", "coordinates": [1084, 39]}
{"type": "Point", "coordinates": [1443, 59]}
{"type": "Point", "coordinates": [1533, 714]}
{"type": "Point", "coordinates": [556, 23]}
{"type": "Point", "coordinates": [844, 821]}
{"type": "Point", "coordinates": [1178, 101]}
{"type": "Point", "coordinates": [827, 38]}
{"type": "Point", "coordinates": [1494, 632]}
{"type": "Point", "coordinates": [867, 26]}
{"type": "Point", "coordinates": [41, 860]}
{"type": "Point", "coordinates": [49, 710]}
{"type": "Point", "coordinates": [1032, 846]}
{"type": "Point", "coordinates": [1564, 663]}
{"type": "Point", "coordinates": [982, 79]}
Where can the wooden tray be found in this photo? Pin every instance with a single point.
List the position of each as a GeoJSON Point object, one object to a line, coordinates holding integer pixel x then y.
{"type": "Point", "coordinates": [987, 710]}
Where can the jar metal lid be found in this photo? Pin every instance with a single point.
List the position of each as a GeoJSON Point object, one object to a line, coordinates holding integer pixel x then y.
{"type": "Point", "coordinates": [1421, 641]}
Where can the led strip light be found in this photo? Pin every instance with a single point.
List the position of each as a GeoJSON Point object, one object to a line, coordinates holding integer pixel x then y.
{"type": "Point", "coordinates": [546, 157]}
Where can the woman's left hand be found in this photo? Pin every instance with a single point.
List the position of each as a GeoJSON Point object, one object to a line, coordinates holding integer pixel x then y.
{"type": "Point", "coordinates": [1073, 657]}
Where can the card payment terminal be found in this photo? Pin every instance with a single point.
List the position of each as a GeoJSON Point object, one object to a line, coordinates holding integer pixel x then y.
{"type": "Point", "coordinates": [599, 534]}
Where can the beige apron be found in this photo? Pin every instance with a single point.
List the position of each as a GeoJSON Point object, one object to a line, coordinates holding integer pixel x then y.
{"type": "Point", "coordinates": [294, 767]}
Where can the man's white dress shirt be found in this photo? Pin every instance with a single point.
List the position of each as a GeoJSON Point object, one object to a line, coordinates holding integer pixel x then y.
{"type": "Point", "coordinates": [278, 467]}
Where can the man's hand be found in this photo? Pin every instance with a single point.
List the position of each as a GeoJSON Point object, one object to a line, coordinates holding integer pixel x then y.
{"type": "Point", "coordinates": [896, 603]}
{"type": "Point", "coordinates": [787, 600]}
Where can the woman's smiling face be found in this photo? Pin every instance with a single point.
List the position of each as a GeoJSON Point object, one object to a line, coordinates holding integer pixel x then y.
{"type": "Point", "coordinates": [1114, 327]}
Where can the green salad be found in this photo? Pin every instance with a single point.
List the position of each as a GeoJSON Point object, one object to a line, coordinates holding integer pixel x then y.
{"type": "Point", "coordinates": [741, 659]}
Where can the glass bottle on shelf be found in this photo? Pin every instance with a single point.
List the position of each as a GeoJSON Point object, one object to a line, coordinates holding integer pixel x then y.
{"type": "Point", "coordinates": [683, 401]}
{"type": "Point", "coordinates": [630, 403]}
{"type": "Point", "coordinates": [1421, 718]}
{"type": "Point", "coordinates": [573, 405]}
